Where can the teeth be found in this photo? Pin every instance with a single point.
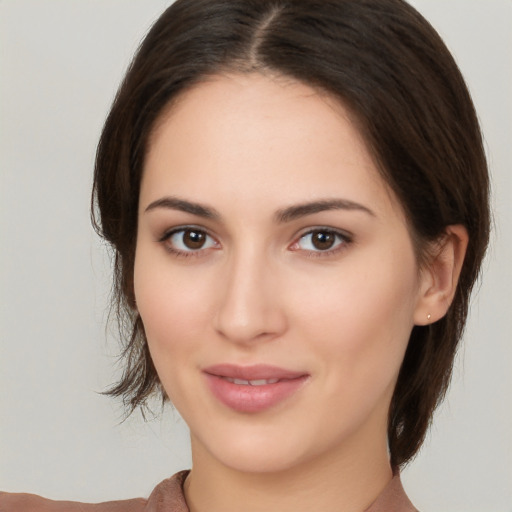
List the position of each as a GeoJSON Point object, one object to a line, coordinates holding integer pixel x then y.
{"type": "Point", "coordinates": [262, 382]}
{"type": "Point", "coordinates": [258, 382]}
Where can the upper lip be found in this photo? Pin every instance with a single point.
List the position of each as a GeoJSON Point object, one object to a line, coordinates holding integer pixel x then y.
{"type": "Point", "coordinates": [252, 372]}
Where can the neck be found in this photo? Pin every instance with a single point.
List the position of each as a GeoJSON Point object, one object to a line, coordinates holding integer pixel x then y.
{"type": "Point", "coordinates": [347, 479]}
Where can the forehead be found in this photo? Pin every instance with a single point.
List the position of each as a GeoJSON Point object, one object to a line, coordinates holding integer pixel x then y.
{"type": "Point", "coordinates": [256, 134]}
{"type": "Point", "coordinates": [281, 105]}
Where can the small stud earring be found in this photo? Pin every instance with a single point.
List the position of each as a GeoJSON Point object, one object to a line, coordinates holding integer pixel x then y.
{"type": "Point", "coordinates": [428, 316]}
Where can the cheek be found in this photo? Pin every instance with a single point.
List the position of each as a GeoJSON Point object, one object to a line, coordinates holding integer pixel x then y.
{"type": "Point", "coordinates": [168, 296]}
{"type": "Point", "coordinates": [361, 302]}
{"type": "Point", "coordinates": [172, 309]}
{"type": "Point", "coordinates": [361, 319]}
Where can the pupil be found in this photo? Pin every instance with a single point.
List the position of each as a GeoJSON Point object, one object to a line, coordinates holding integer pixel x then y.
{"type": "Point", "coordinates": [323, 240]}
{"type": "Point", "coordinates": [194, 239]}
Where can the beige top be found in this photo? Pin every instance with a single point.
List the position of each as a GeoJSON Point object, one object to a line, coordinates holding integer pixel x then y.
{"type": "Point", "coordinates": [168, 497]}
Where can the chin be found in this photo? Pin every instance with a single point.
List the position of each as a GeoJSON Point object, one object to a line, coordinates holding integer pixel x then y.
{"type": "Point", "coordinates": [254, 451]}
{"type": "Point", "coordinates": [246, 450]}
{"type": "Point", "coordinates": [259, 460]}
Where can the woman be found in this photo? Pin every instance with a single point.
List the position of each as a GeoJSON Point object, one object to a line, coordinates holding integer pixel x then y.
{"type": "Point", "coordinates": [297, 197]}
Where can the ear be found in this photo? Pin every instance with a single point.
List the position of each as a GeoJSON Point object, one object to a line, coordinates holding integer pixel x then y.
{"type": "Point", "coordinates": [440, 275]}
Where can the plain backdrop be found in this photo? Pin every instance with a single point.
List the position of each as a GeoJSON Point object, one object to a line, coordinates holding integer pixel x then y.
{"type": "Point", "coordinates": [60, 64]}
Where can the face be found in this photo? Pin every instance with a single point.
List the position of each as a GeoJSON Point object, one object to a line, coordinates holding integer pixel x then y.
{"type": "Point", "coordinates": [274, 274]}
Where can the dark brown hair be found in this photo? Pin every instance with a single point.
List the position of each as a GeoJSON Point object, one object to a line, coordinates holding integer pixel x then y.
{"type": "Point", "coordinates": [384, 62]}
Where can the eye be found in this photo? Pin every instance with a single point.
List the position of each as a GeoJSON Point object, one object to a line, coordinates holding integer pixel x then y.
{"type": "Point", "coordinates": [320, 240]}
{"type": "Point", "coordinates": [188, 240]}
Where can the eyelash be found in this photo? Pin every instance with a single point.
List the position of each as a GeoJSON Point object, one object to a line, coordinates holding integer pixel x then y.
{"type": "Point", "coordinates": [179, 253]}
{"type": "Point", "coordinates": [343, 239]}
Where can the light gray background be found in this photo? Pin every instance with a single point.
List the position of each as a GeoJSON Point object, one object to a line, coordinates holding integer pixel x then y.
{"type": "Point", "coordinates": [60, 63]}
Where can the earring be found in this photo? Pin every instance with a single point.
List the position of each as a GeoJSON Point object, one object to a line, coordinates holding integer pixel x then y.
{"type": "Point", "coordinates": [428, 316]}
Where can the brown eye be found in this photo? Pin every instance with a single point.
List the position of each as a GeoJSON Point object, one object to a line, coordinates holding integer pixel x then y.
{"type": "Point", "coordinates": [194, 239]}
{"type": "Point", "coordinates": [189, 240]}
{"type": "Point", "coordinates": [323, 240]}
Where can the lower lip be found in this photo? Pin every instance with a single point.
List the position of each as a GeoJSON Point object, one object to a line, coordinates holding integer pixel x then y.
{"type": "Point", "coordinates": [247, 398]}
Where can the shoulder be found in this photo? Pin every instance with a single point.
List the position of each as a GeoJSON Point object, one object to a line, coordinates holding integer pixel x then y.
{"type": "Point", "coordinates": [168, 495]}
{"type": "Point", "coordinates": [21, 502]}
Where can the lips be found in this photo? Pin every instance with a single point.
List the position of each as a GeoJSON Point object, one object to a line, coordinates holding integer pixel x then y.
{"type": "Point", "coordinates": [254, 388]}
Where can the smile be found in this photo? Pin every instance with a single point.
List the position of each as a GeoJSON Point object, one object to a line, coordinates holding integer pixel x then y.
{"type": "Point", "coordinates": [253, 389]}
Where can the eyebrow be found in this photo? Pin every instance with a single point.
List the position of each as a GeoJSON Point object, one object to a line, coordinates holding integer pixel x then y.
{"type": "Point", "coordinates": [174, 203]}
{"type": "Point", "coordinates": [301, 210]}
{"type": "Point", "coordinates": [281, 216]}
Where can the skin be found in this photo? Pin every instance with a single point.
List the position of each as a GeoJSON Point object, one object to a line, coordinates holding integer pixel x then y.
{"type": "Point", "coordinates": [258, 291]}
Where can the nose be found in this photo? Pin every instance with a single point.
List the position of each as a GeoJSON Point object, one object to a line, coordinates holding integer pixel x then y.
{"type": "Point", "coordinates": [249, 306]}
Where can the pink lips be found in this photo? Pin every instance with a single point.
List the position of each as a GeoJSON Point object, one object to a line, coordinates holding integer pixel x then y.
{"type": "Point", "coordinates": [252, 388]}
